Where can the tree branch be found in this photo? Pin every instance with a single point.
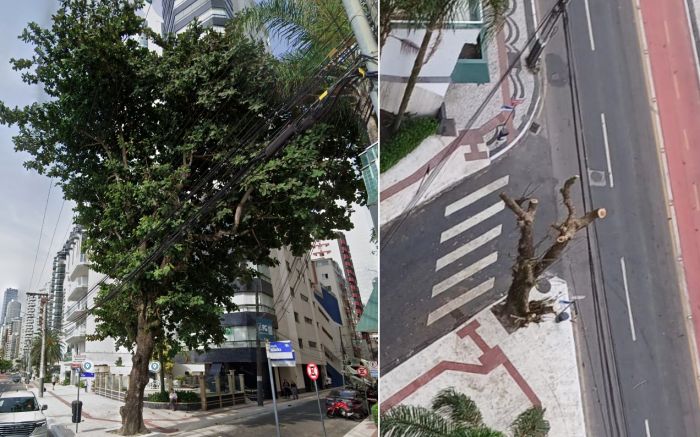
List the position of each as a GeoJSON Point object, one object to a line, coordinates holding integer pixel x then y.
{"type": "Point", "coordinates": [566, 197]}
{"type": "Point", "coordinates": [239, 208]}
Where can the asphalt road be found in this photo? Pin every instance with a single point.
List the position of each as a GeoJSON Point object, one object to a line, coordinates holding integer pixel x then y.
{"type": "Point", "coordinates": [639, 378]}
{"type": "Point", "coordinates": [298, 419]}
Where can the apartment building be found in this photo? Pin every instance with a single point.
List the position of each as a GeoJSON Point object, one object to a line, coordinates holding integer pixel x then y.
{"type": "Point", "coordinates": [10, 295]}
{"type": "Point", "coordinates": [30, 322]}
{"type": "Point", "coordinates": [11, 332]}
{"type": "Point", "coordinates": [80, 288]}
{"type": "Point", "coordinates": [178, 14]}
{"type": "Point", "coordinates": [291, 306]}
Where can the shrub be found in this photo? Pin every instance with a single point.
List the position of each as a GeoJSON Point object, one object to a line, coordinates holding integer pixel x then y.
{"type": "Point", "coordinates": [182, 396]}
{"type": "Point", "coordinates": [413, 132]}
{"type": "Point", "coordinates": [531, 423]}
{"type": "Point", "coordinates": [375, 413]}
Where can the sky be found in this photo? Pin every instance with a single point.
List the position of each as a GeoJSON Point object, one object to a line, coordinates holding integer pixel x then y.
{"type": "Point", "coordinates": [24, 193]}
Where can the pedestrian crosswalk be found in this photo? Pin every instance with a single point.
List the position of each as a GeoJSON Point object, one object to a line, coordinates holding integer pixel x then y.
{"type": "Point", "coordinates": [468, 246]}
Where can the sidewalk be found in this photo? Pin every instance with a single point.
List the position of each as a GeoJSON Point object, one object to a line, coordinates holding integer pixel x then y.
{"type": "Point", "coordinates": [441, 161]}
{"type": "Point", "coordinates": [365, 429]}
{"type": "Point", "coordinates": [101, 415]}
{"type": "Point", "coordinates": [504, 374]}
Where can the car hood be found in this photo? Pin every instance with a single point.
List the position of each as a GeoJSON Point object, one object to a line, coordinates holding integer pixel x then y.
{"type": "Point", "coordinates": [27, 416]}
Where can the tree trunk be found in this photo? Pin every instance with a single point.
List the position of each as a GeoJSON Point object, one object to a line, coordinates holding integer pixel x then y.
{"type": "Point", "coordinates": [132, 411]}
{"type": "Point", "coordinates": [162, 372]}
{"type": "Point", "coordinates": [413, 78]}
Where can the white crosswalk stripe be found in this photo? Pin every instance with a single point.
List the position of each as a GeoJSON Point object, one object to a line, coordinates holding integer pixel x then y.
{"type": "Point", "coordinates": [472, 221]}
{"type": "Point", "coordinates": [467, 248]}
{"type": "Point", "coordinates": [476, 195]}
{"type": "Point", "coordinates": [463, 299]}
{"type": "Point", "coordinates": [463, 274]}
{"type": "Point", "coordinates": [449, 261]}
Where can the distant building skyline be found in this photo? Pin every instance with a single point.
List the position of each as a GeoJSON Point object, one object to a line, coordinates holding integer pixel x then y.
{"type": "Point", "coordinates": [10, 294]}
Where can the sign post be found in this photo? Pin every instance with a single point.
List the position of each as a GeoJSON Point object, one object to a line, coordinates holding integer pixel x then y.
{"type": "Point", "coordinates": [279, 351]}
{"type": "Point", "coordinates": [312, 372]}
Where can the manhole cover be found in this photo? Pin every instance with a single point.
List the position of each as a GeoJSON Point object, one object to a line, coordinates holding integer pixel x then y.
{"type": "Point", "coordinates": [596, 178]}
{"type": "Point", "coordinates": [543, 286]}
{"type": "Point", "coordinates": [535, 128]}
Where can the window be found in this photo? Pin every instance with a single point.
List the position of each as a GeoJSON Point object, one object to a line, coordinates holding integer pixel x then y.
{"type": "Point", "coordinates": [312, 344]}
{"type": "Point", "coordinates": [303, 297]}
{"type": "Point", "coordinates": [296, 317]}
{"type": "Point", "coordinates": [291, 291]}
{"type": "Point", "coordinates": [301, 343]}
{"type": "Point", "coordinates": [327, 334]}
{"type": "Point", "coordinates": [308, 320]}
{"type": "Point", "coordinates": [325, 316]}
{"type": "Point", "coordinates": [325, 276]}
{"type": "Point", "coordinates": [289, 268]}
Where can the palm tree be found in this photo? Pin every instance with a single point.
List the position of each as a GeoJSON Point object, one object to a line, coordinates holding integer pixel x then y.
{"type": "Point", "coordinates": [313, 30]}
{"type": "Point", "coordinates": [53, 352]}
{"type": "Point", "coordinates": [433, 16]}
{"type": "Point", "coordinates": [453, 414]}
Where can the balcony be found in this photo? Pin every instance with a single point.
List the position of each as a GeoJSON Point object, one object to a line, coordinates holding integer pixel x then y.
{"type": "Point", "coordinates": [79, 267]}
{"type": "Point", "coordinates": [78, 288]}
{"type": "Point", "coordinates": [76, 311]}
{"type": "Point", "coordinates": [75, 334]}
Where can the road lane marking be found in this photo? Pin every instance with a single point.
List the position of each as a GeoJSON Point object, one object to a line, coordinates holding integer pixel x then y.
{"type": "Point", "coordinates": [590, 27]}
{"type": "Point", "coordinates": [469, 247]}
{"type": "Point", "coordinates": [646, 425]}
{"type": "Point", "coordinates": [675, 85]}
{"type": "Point", "coordinates": [607, 148]}
{"type": "Point", "coordinates": [668, 34]}
{"type": "Point", "coordinates": [463, 299]}
{"type": "Point", "coordinates": [460, 276]}
{"type": "Point", "coordinates": [472, 221]}
{"type": "Point", "coordinates": [686, 142]}
{"type": "Point", "coordinates": [476, 195]}
{"type": "Point", "coordinates": [627, 297]}
{"type": "Point", "coordinates": [697, 196]}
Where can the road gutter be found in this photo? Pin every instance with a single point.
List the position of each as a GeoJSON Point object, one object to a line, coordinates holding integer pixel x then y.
{"type": "Point", "coordinates": [666, 178]}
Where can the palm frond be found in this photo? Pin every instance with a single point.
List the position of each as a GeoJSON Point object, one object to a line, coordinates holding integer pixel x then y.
{"type": "Point", "coordinates": [484, 432]}
{"type": "Point", "coordinates": [458, 407]}
{"type": "Point", "coordinates": [411, 421]}
{"type": "Point", "coordinates": [494, 17]}
{"type": "Point", "coordinates": [531, 423]}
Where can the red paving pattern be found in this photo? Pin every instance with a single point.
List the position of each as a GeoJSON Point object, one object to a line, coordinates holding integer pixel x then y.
{"type": "Point", "coordinates": [678, 96]}
{"type": "Point", "coordinates": [470, 137]}
{"type": "Point", "coordinates": [491, 358]}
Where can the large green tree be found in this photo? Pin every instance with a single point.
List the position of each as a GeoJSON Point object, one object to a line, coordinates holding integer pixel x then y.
{"type": "Point", "coordinates": [129, 134]}
{"type": "Point", "coordinates": [434, 16]}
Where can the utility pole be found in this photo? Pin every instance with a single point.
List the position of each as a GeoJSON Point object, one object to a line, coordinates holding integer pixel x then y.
{"type": "Point", "coordinates": [258, 351]}
{"type": "Point", "coordinates": [533, 58]}
{"type": "Point", "coordinates": [42, 361]}
{"type": "Point", "coordinates": [367, 41]}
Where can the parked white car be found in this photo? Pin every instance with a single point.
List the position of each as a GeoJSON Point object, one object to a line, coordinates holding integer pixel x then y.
{"type": "Point", "coordinates": [22, 415]}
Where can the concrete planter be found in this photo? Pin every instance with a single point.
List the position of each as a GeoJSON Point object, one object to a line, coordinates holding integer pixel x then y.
{"type": "Point", "coordinates": [181, 406]}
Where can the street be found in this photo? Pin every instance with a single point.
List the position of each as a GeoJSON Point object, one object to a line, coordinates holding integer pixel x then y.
{"type": "Point", "coordinates": [300, 418]}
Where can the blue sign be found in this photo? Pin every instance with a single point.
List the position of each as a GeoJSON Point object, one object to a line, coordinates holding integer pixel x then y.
{"type": "Point", "coordinates": [87, 375]}
{"type": "Point", "coordinates": [285, 363]}
{"type": "Point", "coordinates": [280, 350]}
{"type": "Point", "coordinates": [265, 329]}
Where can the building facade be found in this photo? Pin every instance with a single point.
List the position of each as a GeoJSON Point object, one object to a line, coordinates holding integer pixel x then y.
{"type": "Point", "coordinates": [291, 306]}
{"type": "Point", "coordinates": [30, 322]}
{"type": "Point", "coordinates": [80, 287]}
{"type": "Point", "coordinates": [58, 275]}
{"type": "Point", "coordinates": [10, 295]}
{"type": "Point", "coordinates": [178, 14]}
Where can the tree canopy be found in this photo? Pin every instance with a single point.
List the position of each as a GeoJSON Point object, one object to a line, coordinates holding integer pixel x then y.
{"type": "Point", "coordinates": [129, 134]}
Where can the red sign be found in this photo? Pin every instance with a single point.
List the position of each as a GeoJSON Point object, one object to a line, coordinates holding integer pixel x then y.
{"type": "Point", "coordinates": [75, 365]}
{"type": "Point", "coordinates": [312, 371]}
{"type": "Point", "coordinates": [362, 371]}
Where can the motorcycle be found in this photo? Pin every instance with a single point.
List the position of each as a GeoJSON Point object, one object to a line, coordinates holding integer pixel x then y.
{"type": "Point", "coordinates": [344, 410]}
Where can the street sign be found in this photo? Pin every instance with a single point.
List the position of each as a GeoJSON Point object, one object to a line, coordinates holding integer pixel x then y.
{"type": "Point", "coordinates": [87, 375]}
{"type": "Point", "coordinates": [75, 365]}
{"type": "Point", "coordinates": [265, 331]}
{"type": "Point", "coordinates": [285, 363]}
{"type": "Point", "coordinates": [154, 366]}
{"type": "Point", "coordinates": [280, 350]}
{"type": "Point", "coordinates": [312, 371]}
{"type": "Point", "coordinates": [362, 371]}
{"type": "Point", "coordinates": [87, 366]}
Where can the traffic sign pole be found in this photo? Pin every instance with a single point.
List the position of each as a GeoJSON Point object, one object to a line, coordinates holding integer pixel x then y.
{"type": "Point", "coordinates": [274, 397]}
{"type": "Point", "coordinates": [320, 412]}
{"type": "Point", "coordinates": [76, 423]}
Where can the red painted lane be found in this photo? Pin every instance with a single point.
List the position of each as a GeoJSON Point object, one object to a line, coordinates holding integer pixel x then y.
{"type": "Point", "coordinates": [678, 94]}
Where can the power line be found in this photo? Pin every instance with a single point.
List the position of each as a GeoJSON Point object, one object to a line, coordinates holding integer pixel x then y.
{"type": "Point", "coordinates": [41, 233]}
{"type": "Point", "coordinates": [48, 252]}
